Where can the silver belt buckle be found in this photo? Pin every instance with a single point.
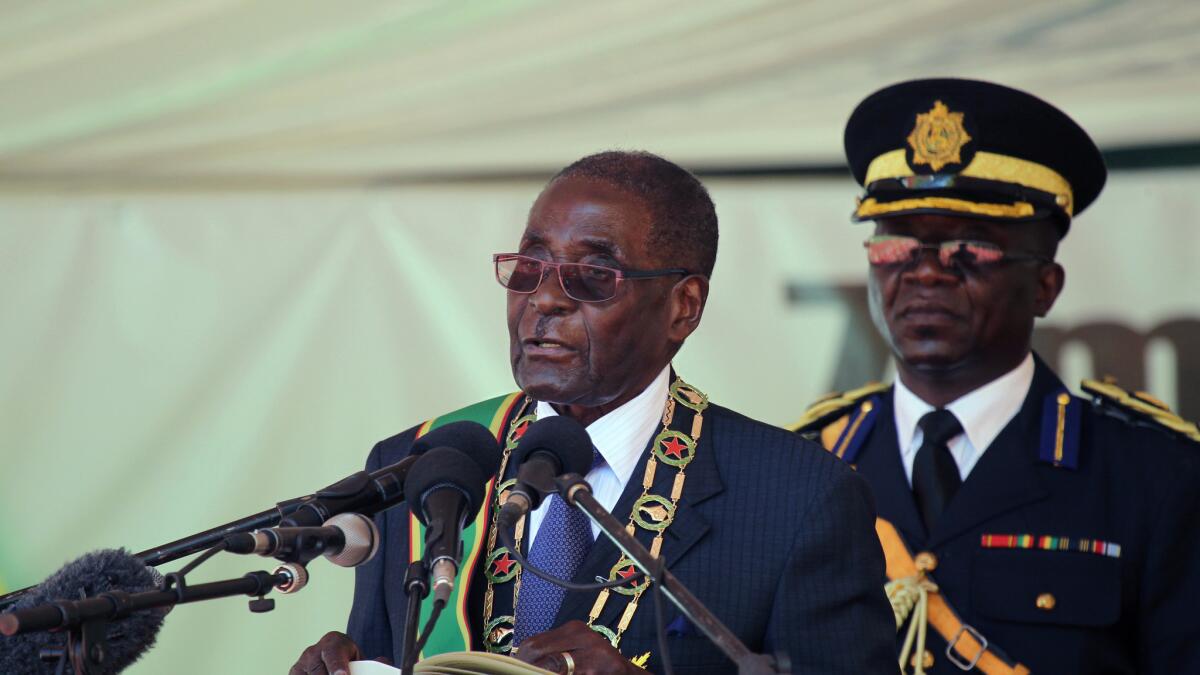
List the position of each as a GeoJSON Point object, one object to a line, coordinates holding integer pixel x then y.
{"type": "Point", "coordinates": [953, 655]}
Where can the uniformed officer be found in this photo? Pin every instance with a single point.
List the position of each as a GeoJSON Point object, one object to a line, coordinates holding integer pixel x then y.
{"type": "Point", "coordinates": [1025, 529]}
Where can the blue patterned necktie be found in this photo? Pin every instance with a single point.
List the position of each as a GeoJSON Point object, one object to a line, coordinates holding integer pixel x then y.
{"type": "Point", "coordinates": [563, 541]}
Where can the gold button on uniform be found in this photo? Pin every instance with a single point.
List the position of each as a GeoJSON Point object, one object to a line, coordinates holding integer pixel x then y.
{"type": "Point", "coordinates": [926, 660]}
{"type": "Point", "coordinates": [1045, 601]}
{"type": "Point", "coordinates": [925, 561]}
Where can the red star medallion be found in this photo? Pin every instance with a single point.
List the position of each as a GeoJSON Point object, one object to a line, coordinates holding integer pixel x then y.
{"type": "Point", "coordinates": [503, 564]}
{"type": "Point", "coordinates": [626, 572]}
{"type": "Point", "coordinates": [520, 431]}
{"type": "Point", "coordinates": [674, 448]}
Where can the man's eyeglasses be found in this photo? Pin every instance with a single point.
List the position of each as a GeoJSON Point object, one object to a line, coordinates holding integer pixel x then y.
{"type": "Point", "coordinates": [580, 281]}
{"type": "Point", "coordinates": [887, 249]}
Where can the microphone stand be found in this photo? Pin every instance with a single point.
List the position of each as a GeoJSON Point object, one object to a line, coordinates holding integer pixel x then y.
{"type": "Point", "coordinates": [575, 490]}
{"type": "Point", "coordinates": [87, 619]}
{"type": "Point", "coordinates": [416, 588]}
{"type": "Point", "coordinates": [202, 540]}
{"type": "Point", "coordinates": [197, 542]}
{"type": "Point", "coordinates": [382, 490]}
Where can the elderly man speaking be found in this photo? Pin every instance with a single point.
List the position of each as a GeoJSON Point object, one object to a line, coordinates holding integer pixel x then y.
{"type": "Point", "coordinates": [773, 534]}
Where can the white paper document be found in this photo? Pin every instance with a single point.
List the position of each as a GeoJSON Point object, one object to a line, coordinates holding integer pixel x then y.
{"type": "Point", "coordinates": [454, 663]}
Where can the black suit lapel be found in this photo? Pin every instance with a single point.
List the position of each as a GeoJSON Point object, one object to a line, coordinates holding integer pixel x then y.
{"type": "Point", "coordinates": [687, 528]}
{"type": "Point", "coordinates": [879, 462]}
{"type": "Point", "coordinates": [1006, 475]}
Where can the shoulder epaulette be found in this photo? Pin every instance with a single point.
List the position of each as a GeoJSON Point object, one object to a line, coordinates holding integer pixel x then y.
{"type": "Point", "coordinates": [833, 405]}
{"type": "Point", "coordinates": [1139, 408]}
{"type": "Point", "coordinates": [842, 422]}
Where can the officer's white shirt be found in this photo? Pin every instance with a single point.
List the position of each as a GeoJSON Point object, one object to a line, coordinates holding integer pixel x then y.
{"type": "Point", "coordinates": [620, 436]}
{"type": "Point", "coordinates": [983, 413]}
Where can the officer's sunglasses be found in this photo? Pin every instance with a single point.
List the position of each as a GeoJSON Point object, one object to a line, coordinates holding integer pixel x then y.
{"type": "Point", "coordinates": [888, 249]}
{"type": "Point", "coordinates": [580, 281]}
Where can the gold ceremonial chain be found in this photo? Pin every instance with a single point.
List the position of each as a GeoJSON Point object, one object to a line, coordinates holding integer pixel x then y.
{"type": "Point", "coordinates": [650, 512]}
{"type": "Point", "coordinates": [499, 567]}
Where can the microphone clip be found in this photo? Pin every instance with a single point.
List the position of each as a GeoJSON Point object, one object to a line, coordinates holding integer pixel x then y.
{"type": "Point", "coordinates": [86, 648]}
{"type": "Point", "coordinates": [568, 486]}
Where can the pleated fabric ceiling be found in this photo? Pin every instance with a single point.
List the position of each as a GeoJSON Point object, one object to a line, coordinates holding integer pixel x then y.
{"type": "Point", "coordinates": [352, 91]}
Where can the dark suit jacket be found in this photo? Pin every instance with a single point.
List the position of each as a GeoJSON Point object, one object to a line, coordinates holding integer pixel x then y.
{"type": "Point", "coordinates": [773, 534]}
{"type": "Point", "coordinates": [1133, 486]}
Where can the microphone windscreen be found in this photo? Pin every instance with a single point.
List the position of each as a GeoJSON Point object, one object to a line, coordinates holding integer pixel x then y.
{"type": "Point", "coordinates": [445, 467]}
{"type": "Point", "coordinates": [562, 437]}
{"type": "Point", "coordinates": [471, 438]}
{"type": "Point", "coordinates": [89, 575]}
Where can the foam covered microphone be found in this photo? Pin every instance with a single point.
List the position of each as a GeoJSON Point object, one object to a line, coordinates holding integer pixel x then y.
{"type": "Point", "coordinates": [549, 448]}
{"type": "Point", "coordinates": [89, 575]}
{"type": "Point", "coordinates": [446, 488]}
{"type": "Point", "coordinates": [470, 438]}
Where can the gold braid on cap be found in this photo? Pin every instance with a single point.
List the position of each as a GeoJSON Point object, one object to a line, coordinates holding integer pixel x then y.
{"type": "Point", "coordinates": [986, 166]}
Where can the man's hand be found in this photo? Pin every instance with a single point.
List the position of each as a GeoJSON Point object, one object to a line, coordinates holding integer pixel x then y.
{"type": "Point", "coordinates": [330, 656]}
{"type": "Point", "coordinates": [590, 651]}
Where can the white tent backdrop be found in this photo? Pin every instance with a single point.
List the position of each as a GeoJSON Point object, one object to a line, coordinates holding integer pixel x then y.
{"type": "Point", "coordinates": [239, 241]}
{"type": "Point", "coordinates": [225, 90]}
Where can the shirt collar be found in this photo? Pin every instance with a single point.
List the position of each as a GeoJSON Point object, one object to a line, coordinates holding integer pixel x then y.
{"type": "Point", "coordinates": [622, 434]}
{"type": "Point", "coordinates": [983, 413]}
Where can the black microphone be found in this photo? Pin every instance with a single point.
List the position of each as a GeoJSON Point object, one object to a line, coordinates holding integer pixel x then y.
{"type": "Point", "coordinates": [470, 438]}
{"type": "Point", "coordinates": [447, 488]}
{"type": "Point", "coordinates": [549, 448]}
{"type": "Point", "coordinates": [369, 493]}
{"type": "Point", "coordinates": [347, 539]}
{"type": "Point", "coordinates": [110, 570]}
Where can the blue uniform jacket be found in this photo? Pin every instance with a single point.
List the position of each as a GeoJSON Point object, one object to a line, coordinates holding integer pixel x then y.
{"type": "Point", "coordinates": [1133, 486]}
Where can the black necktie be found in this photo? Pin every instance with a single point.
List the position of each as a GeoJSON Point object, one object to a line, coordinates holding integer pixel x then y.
{"type": "Point", "coordinates": [935, 476]}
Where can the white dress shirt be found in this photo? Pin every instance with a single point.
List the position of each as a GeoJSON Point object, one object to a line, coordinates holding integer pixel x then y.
{"type": "Point", "coordinates": [983, 413]}
{"type": "Point", "coordinates": [620, 436]}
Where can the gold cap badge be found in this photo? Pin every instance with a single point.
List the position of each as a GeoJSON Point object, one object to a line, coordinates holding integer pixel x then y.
{"type": "Point", "coordinates": [938, 137]}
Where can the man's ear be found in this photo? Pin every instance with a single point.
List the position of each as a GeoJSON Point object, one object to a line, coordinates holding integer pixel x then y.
{"type": "Point", "coordinates": [1050, 282]}
{"type": "Point", "coordinates": [687, 307]}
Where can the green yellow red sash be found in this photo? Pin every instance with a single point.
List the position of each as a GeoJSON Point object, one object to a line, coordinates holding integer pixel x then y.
{"type": "Point", "coordinates": [455, 636]}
